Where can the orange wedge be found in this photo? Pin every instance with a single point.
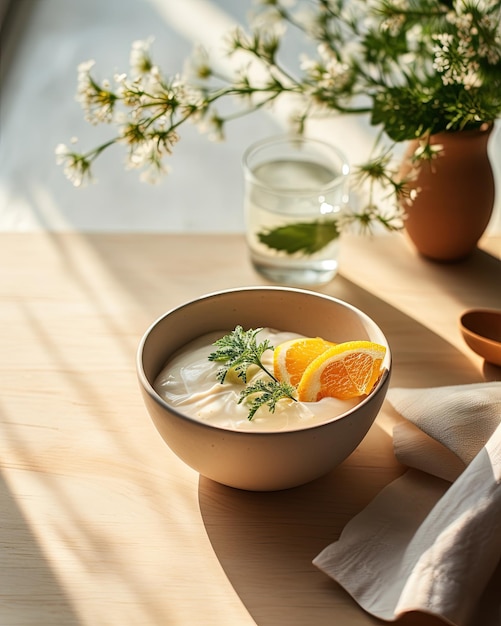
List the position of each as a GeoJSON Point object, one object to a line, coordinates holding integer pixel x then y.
{"type": "Point", "coordinates": [291, 358]}
{"type": "Point", "coordinates": [347, 370]}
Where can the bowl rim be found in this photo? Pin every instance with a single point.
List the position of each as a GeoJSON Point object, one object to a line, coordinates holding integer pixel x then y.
{"type": "Point", "coordinates": [150, 390]}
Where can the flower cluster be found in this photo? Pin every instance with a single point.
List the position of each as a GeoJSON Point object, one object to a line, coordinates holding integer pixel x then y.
{"type": "Point", "coordinates": [414, 67]}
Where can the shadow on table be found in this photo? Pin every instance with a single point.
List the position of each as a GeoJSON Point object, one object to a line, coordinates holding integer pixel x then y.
{"type": "Point", "coordinates": [30, 592]}
{"type": "Point", "coordinates": [265, 542]}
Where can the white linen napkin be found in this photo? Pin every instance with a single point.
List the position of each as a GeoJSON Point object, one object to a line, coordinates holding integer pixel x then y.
{"type": "Point", "coordinates": [423, 544]}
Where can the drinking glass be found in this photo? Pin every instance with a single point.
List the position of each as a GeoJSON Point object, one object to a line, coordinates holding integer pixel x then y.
{"type": "Point", "coordinates": [295, 192]}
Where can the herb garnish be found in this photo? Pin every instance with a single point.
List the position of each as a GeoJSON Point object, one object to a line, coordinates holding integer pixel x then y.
{"type": "Point", "coordinates": [238, 350]}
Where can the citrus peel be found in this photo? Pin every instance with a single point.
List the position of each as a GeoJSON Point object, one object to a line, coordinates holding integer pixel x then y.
{"type": "Point", "coordinates": [346, 370]}
{"type": "Point", "coordinates": [291, 358]}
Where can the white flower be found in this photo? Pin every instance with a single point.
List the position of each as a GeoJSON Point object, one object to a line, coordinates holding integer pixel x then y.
{"type": "Point", "coordinates": [84, 83]}
{"type": "Point", "coordinates": [307, 64]}
{"type": "Point", "coordinates": [197, 66]}
{"type": "Point", "coordinates": [471, 79]}
{"type": "Point", "coordinates": [140, 59]}
{"type": "Point", "coordinates": [328, 72]}
{"type": "Point", "coordinates": [191, 101]}
{"type": "Point", "coordinates": [85, 67]}
{"type": "Point", "coordinates": [212, 125]}
{"type": "Point", "coordinates": [97, 101]}
{"type": "Point", "coordinates": [62, 152]}
{"type": "Point", "coordinates": [76, 167]}
{"type": "Point", "coordinates": [393, 24]}
{"type": "Point", "coordinates": [142, 69]}
{"type": "Point", "coordinates": [148, 155]}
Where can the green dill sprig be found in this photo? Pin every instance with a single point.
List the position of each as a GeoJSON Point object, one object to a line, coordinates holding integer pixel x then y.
{"type": "Point", "coordinates": [266, 392]}
{"type": "Point", "coordinates": [239, 350]}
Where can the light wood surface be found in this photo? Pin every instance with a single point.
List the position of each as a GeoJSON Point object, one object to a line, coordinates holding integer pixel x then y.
{"type": "Point", "coordinates": [100, 523]}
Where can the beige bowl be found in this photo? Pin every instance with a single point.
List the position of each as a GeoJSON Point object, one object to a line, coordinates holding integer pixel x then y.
{"type": "Point", "coordinates": [261, 461]}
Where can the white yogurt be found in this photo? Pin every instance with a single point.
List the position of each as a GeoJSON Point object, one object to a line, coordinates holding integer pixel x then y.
{"type": "Point", "coordinates": [188, 382]}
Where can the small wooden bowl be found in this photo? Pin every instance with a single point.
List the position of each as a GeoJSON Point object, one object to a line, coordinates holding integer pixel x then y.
{"type": "Point", "coordinates": [481, 329]}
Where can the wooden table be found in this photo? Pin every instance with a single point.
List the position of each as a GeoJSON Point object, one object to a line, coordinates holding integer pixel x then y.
{"type": "Point", "coordinates": [101, 523]}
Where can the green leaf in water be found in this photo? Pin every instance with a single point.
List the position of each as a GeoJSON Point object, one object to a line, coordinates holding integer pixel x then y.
{"type": "Point", "coordinates": [305, 237]}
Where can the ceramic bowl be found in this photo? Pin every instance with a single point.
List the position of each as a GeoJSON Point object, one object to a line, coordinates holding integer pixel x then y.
{"type": "Point", "coordinates": [481, 329]}
{"type": "Point", "coordinates": [271, 460]}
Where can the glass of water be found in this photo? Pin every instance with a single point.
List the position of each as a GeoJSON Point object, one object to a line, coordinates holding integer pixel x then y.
{"type": "Point", "coordinates": [296, 189]}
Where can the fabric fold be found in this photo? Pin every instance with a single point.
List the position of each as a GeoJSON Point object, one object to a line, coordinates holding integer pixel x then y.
{"type": "Point", "coordinates": [423, 544]}
{"type": "Point", "coordinates": [461, 417]}
{"type": "Point", "coordinates": [418, 450]}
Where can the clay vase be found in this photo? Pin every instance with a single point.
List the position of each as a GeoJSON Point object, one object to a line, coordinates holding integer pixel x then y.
{"type": "Point", "coordinates": [455, 196]}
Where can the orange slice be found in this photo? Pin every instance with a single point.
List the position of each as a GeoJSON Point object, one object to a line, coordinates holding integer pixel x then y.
{"type": "Point", "coordinates": [347, 370]}
{"type": "Point", "coordinates": [291, 358]}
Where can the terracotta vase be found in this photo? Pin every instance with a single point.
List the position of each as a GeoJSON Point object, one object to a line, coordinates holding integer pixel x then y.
{"type": "Point", "coordinates": [455, 196]}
